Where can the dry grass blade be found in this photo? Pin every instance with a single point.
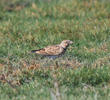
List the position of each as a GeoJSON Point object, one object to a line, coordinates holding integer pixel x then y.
{"type": "Point", "coordinates": [2, 78]}
{"type": "Point", "coordinates": [101, 61]}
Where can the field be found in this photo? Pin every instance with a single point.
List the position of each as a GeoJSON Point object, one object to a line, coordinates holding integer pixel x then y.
{"type": "Point", "coordinates": [83, 73]}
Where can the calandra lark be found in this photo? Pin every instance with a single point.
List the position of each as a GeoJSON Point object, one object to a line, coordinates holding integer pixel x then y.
{"type": "Point", "coordinates": [54, 50]}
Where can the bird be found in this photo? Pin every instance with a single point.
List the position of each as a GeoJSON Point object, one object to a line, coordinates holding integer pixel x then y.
{"type": "Point", "coordinates": [54, 51]}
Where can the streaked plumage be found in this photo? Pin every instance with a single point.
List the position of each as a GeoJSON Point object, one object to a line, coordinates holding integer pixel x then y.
{"type": "Point", "coordinates": [55, 50]}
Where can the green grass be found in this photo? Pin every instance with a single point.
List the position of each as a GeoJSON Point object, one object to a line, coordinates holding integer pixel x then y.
{"type": "Point", "coordinates": [84, 71]}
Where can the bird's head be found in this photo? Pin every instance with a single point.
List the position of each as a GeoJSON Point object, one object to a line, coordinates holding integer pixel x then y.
{"type": "Point", "coordinates": [65, 43]}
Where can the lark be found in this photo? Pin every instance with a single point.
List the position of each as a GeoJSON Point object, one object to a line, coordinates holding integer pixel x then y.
{"type": "Point", "coordinates": [54, 50]}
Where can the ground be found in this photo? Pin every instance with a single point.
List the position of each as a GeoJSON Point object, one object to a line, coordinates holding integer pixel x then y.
{"type": "Point", "coordinates": [83, 73]}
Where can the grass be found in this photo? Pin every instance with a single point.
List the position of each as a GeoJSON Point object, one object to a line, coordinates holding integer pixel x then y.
{"type": "Point", "coordinates": [84, 70]}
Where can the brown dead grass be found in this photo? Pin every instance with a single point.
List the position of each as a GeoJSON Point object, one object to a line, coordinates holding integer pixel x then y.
{"type": "Point", "coordinates": [14, 76]}
{"type": "Point", "coordinates": [1, 67]}
{"type": "Point", "coordinates": [102, 62]}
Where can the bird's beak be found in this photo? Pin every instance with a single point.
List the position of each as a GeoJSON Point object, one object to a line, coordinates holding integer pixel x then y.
{"type": "Point", "coordinates": [71, 42]}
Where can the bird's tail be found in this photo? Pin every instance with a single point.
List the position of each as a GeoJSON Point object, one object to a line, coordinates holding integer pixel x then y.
{"type": "Point", "coordinates": [33, 51]}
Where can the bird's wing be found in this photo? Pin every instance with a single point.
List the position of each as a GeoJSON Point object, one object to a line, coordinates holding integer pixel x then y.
{"type": "Point", "coordinates": [50, 50]}
{"type": "Point", "coordinates": [40, 51]}
{"type": "Point", "coordinates": [54, 50]}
